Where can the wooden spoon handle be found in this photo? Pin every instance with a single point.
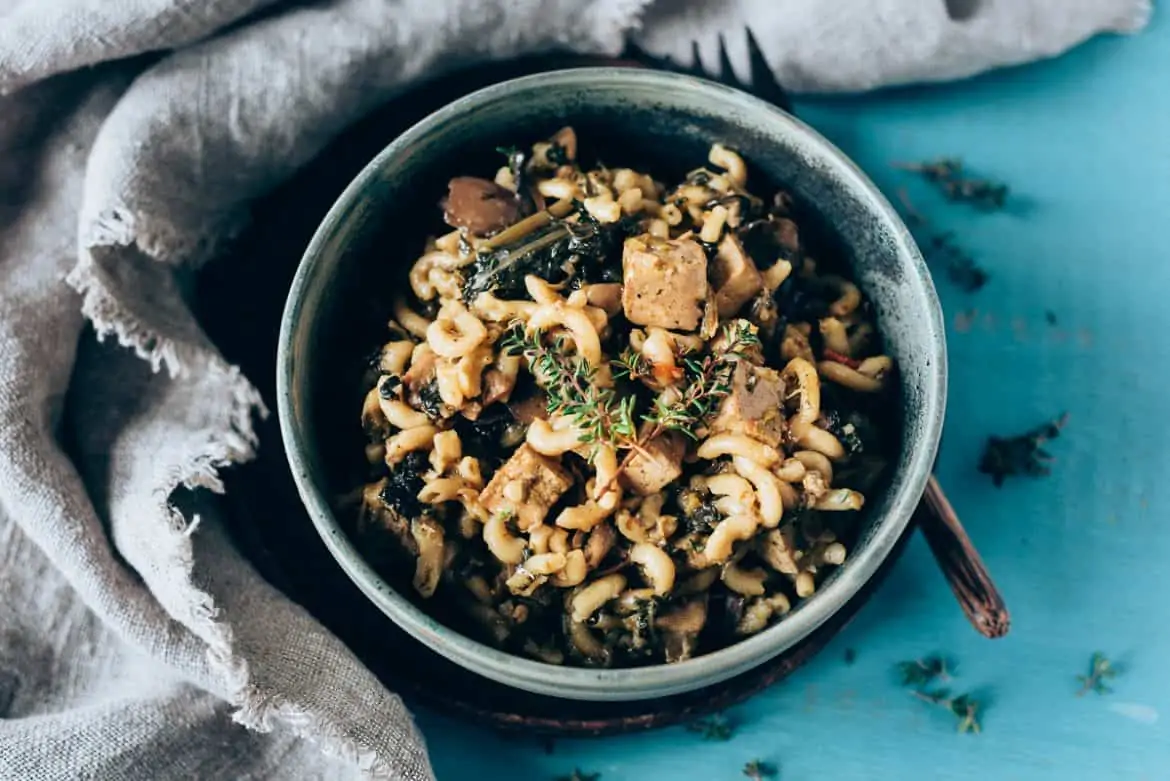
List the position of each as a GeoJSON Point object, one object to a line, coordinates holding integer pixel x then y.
{"type": "Point", "coordinates": [960, 563]}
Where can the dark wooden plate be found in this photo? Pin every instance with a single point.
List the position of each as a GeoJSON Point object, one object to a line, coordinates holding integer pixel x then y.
{"type": "Point", "coordinates": [248, 289]}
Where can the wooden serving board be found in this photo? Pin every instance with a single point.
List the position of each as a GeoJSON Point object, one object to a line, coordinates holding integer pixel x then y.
{"type": "Point", "coordinates": [272, 528]}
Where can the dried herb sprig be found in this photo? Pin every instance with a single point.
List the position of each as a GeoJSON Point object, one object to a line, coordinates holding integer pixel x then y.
{"type": "Point", "coordinates": [942, 249]}
{"type": "Point", "coordinates": [961, 267]}
{"type": "Point", "coordinates": [920, 672]}
{"type": "Point", "coordinates": [947, 175]}
{"type": "Point", "coordinates": [757, 770]}
{"type": "Point", "coordinates": [1020, 455]}
{"type": "Point", "coordinates": [578, 775]}
{"type": "Point", "coordinates": [1100, 671]}
{"type": "Point", "coordinates": [965, 707]}
{"type": "Point", "coordinates": [715, 727]}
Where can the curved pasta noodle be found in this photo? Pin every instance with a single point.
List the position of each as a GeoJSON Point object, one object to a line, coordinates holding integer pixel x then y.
{"type": "Point", "coordinates": [767, 487]}
{"type": "Point", "coordinates": [497, 310]}
{"type": "Point", "coordinates": [726, 533]}
{"type": "Point", "coordinates": [455, 332]}
{"type": "Point", "coordinates": [549, 441]}
{"type": "Point", "coordinates": [411, 321]}
{"type": "Point", "coordinates": [469, 371]}
{"type": "Point", "coordinates": [713, 224]}
{"type": "Point", "coordinates": [833, 333]}
{"type": "Point", "coordinates": [729, 161]}
{"type": "Point", "coordinates": [576, 322]}
{"type": "Point", "coordinates": [738, 445]}
{"type": "Point", "coordinates": [395, 357]}
{"type": "Point", "coordinates": [408, 441]}
{"type": "Point", "coordinates": [821, 441]}
{"type": "Point", "coordinates": [815, 461]}
{"type": "Point", "coordinates": [803, 375]}
{"type": "Point", "coordinates": [849, 296]}
{"type": "Point", "coordinates": [848, 377]}
{"type": "Point", "coordinates": [402, 415]}
{"type": "Point", "coordinates": [774, 276]}
{"type": "Point", "coordinates": [502, 544]}
{"type": "Point", "coordinates": [590, 598]}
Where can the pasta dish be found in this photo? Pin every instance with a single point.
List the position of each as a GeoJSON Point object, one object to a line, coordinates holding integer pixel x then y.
{"type": "Point", "coordinates": [618, 422]}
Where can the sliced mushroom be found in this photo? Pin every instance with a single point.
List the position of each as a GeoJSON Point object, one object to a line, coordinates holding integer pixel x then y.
{"type": "Point", "coordinates": [480, 206]}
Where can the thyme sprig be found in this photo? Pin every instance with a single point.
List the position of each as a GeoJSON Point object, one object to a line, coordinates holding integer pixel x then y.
{"type": "Point", "coordinates": [571, 386]}
{"type": "Point", "coordinates": [947, 174]}
{"type": "Point", "coordinates": [920, 672]}
{"type": "Point", "coordinates": [578, 775]}
{"type": "Point", "coordinates": [602, 415]}
{"type": "Point", "coordinates": [1020, 455]}
{"type": "Point", "coordinates": [1100, 671]}
{"type": "Point", "coordinates": [758, 771]}
{"type": "Point", "coordinates": [965, 707]}
{"type": "Point", "coordinates": [715, 727]}
{"type": "Point", "coordinates": [706, 382]}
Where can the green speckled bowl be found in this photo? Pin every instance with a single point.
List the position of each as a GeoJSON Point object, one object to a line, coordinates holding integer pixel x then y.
{"type": "Point", "coordinates": [339, 301]}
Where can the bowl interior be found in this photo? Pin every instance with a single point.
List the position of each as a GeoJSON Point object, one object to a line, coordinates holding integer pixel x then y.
{"type": "Point", "coordinates": [660, 123]}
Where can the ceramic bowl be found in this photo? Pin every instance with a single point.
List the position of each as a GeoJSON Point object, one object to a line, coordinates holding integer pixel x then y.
{"type": "Point", "coordinates": [658, 122]}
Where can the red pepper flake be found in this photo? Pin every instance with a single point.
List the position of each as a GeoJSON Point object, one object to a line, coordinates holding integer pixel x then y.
{"type": "Point", "coordinates": [837, 357]}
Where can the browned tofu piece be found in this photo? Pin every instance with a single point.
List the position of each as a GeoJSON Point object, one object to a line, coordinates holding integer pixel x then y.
{"type": "Point", "coordinates": [662, 464]}
{"type": "Point", "coordinates": [753, 407]}
{"type": "Point", "coordinates": [664, 282]}
{"type": "Point", "coordinates": [542, 480]}
{"type": "Point", "coordinates": [734, 276]}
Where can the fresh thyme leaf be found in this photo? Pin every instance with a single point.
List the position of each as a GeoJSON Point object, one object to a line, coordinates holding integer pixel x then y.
{"type": "Point", "coordinates": [1020, 455]}
{"type": "Point", "coordinates": [570, 384]}
{"type": "Point", "coordinates": [706, 381]}
{"type": "Point", "coordinates": [578, 775]}
{"type": "Point", "coordinates": [948, 176]}
{"type": "Point", "coordinates": [1100, 671]}
{"type": "Point", "coordinates": [919, 672]}
{"type": "Point", "coordinates": [964, 707]}
{"type": "Point", "coordinates": [757, 770]}
{"type": "Point", "coordinates": [715, 727]}
{"type": "Point", "coordinates": [631, 365]}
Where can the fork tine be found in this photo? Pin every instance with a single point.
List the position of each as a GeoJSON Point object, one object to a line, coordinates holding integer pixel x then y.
{"type": "Point", "coordinates": [696, 68]}
{"type": "Point", "coordinates": [726, 71]}
{"type": "Point", "coordinates": [763, 80]}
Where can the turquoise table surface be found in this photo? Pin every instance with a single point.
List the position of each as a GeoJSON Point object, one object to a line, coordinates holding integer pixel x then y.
{"type": "Point", "coordinates": [1083, 556]}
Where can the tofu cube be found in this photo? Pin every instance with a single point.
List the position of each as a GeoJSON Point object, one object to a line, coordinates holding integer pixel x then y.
{"type": "Point", "coordinates": [754, 405]}
{"type": "Point", "coordinates": [664, 282]}
{"type": "Point", "coordinates": [662, 464]}
{"type": "Point", "coordinates": [734, 276]}
{"type": "Point", "coordinates": [540, 481]}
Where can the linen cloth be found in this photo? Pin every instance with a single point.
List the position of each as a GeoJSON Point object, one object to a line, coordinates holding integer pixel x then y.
{"type": "Point", "coordinates": [135, 641]}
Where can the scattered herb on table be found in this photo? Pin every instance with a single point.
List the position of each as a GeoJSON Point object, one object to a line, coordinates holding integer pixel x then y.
{"type": "Point", "coordinates": [1100, 671]}
{"type": "Point", "coordinates": [961, 267]}
{"type": "Point", "coordinates": [716, 727]}
{"type": "Point", "coordinates": [948, 176]}
{"type": "Point", "coordinates": [757, 770]}
{"type": "Point", "coordinates": [964, 707]}
{"type": "Point", "coordinates": [1020, 455]}
{"type": "Point", "coordinates": [850, 656]}
{"type": "Point", "coordinates": [1050, 317]}
{"type": "Point", "coordinates": [919, 672]}
{"type": "Point", "coordinates": [942, 249]}
{"type": "Point", "coordinates": [577, 775]}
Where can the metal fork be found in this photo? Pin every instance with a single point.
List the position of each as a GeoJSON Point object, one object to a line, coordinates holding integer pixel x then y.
{"type": "Point", "coordinates": [956, 555]}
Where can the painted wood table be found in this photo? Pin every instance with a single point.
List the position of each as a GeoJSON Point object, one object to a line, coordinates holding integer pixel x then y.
{"type": "Point", "coordinates": [1074, 318]}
